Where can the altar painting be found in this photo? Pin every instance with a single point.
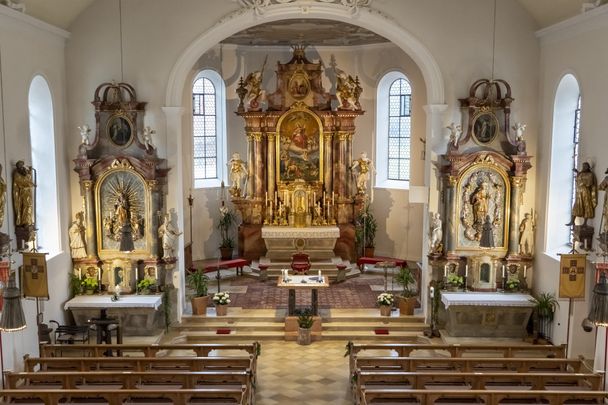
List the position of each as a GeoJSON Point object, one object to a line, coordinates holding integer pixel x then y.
{"type": "Point", "coordinates": [121, 200]}
{"type": "Point", "coordinates": [299, 147]}
{"type": "Point", "coordinates": [483, 207]}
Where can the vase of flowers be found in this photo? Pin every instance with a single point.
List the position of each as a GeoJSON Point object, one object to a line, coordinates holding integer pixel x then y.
{"type": "Point", "coordinates": [454, 282]}
{"type": "Point", "coordinates": [145, 286]}
{"type": "Point", "coordinates": [512, 285]}
{"type": "Point", "coordinates": [89, 285]}
{"type": "Point", "coordinates": [221, 301]}
{"type": "Point", "coordinates": [385, 301]}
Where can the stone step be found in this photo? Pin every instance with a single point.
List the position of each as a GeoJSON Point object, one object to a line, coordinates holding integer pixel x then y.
{"type": "Point", "coordinates": [367, 326]}
{"type": "Point", "coordinates": [193, 337]}
{"type": "Point", "coordinates": [199, 319]}
{"type": "Point", "coordinates": [405, 337]}
{"type": "Point", "coordinates": [241, 326]}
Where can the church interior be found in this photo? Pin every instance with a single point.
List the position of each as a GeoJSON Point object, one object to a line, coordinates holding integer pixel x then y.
{"type": "Point", "coordinates": [214, 200]}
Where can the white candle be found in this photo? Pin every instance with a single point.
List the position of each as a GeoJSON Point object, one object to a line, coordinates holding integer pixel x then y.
{"type": "Point", "coordinates": [445, 270]}
{"type": "Point", "coordinates": [79, 274]}
{"type": "Point", "coordinates": [333, 198]}
{"type": "Point", "coordinates": [319, 275]}
{"type": "Point", "coordinates": [466, 270]}
{"type": "Point", "coordinates": [432, 292]}
{"type": "Point", "coordinates": [503, 271]}
{"type": "Point", "coordinates": [525, 271]}
{"type": "Point", "coordinates": [314, 197]}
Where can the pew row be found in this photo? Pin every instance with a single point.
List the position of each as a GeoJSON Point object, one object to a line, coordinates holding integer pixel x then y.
{"type": "Point", "coordinates": [178, 397]}
{"type": "Point", "coordinates": [378, 396]}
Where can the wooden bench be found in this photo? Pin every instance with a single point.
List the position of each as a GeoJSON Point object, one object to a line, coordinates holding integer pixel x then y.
{"type": "Point", "coordinates": [463, 364]}
{"type": "Point", "coordinates": [487, 397]}
{"type": "Point", "coordinates": [172, 363]}
{"type": "Point", "coordinates": [178, 397]}
{"type": "Point", "coordinates": [407, 350]}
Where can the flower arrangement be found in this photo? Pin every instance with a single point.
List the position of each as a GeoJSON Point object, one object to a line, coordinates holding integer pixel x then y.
{"type": "Point", "coordinates": [385, 299]}
{"type": "Point", "coordinates": [145, 284]}
{"type": "Point", "coordinates": [512, 284]}
{"type": "Point", "coordinates": [89, 283]}
{"type": "Point", "coordinates": [221, 298]}
{"type": "Point", "coordinates": [455, 280]}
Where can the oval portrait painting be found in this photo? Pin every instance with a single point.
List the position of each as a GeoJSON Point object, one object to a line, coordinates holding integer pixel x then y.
{"type": "Point", "coordinates": [119, 130]}
{"type": "Point", "coordinates": [485, 127]}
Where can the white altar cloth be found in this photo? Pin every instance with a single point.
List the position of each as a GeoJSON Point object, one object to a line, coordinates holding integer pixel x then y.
{"type": "Point", "coordinates": [104, 301]}
{"type": "Point", "coordinates": [486, 299]}
{"type": "Point", "coordinates": [288, 232]}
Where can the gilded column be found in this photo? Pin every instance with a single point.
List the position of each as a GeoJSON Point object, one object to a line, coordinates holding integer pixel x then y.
{"type": "Point", "coordinates": [89, 207]}
{"type": "Point", "coordinates": [517, 189]}
{"type": "Point", "coordinates": [451, 214]}
{"type": "Point", "coordinates": [349, 161]}
{"type": "Point", "coordinates": [154, 209]}
{"type": "Point", "coordinates": [260, 165]}
{"type": "Point", "coordinates": [271, 154]}
{"type": "Point", "coordinates": [250, 165]}
{"type": "Point", "coordinates": [328, 162]}
{"type": "Point", "coordinates": [342, 164]}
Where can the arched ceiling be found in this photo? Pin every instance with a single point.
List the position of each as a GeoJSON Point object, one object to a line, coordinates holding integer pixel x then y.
{"type": "Point", "coordinates": [62, 13]}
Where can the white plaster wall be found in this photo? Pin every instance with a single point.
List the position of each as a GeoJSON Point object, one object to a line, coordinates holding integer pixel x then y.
{"type": "Point", "coordinates": [29, 48]}
{"type": "Point", "coordinates": [458, 35]}
{"type": "Point", "coordinates": [576, 46]}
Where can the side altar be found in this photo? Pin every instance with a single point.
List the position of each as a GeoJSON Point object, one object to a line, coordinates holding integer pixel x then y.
{"type": "Point", "coordinates": [298, 170]}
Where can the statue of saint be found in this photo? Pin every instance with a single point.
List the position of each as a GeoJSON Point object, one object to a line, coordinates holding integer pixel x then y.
{"type": "Point", "coordinates": [238, 173]}
{"type": "Point", "coordinates": [76, 232]}
{"type": "Point", "coordinates": [362, 168]}
{"type": "Point", "coordinates": [436, 233]}
{"type": "Point", "coordinates": [585, 197]}
{"type": "Point", "coordinates": [23, 194]}
{"type": "Point", "coordinates": [168, 234]}
{"type": "Point", "coordinates": [2, 198]}
{"type": "Point", "coordinates": [253, 83]}
{"type": "Point", "coordinates": [526, 235]}
{"type": "Point", "coordinates": [603, 186]}
{"type": "Point", "coordinates": [487, 234]}
{"type": "Point", "coordinates": [479, 201]}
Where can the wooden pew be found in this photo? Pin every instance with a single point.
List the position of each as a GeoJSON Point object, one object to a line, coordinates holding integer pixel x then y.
{"type": "Point", "coordinates": [408, 350]}
{"type": "Point", "coordinates": [117, 397]}
{"type": "Point", "coordinates": [474, 381]}
{"type": "Point", "coordinates": [471, 364]}
{"type": "Point", "coordinates": [489, 397]}
{"type": "Point", "coordinates": [173, 363]}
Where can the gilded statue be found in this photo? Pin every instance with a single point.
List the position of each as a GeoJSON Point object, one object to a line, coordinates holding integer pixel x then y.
{"type": "Point", "coordinates": [604, 226]}
{"type": "Point", "coordinates": [2, 198]}
{"type": "Point", "coordinates": [168, 234]}
{"type": "Point", "coordinates": [362, 167]}
{"type": "Point", "coordinates": [253, 84]}
{"type": "Point", "coordinates": [23, 194]}
{"type": "Point", "coordinates": [76, 234]}
{"type": "Point", "coordinates": [479, 201]}
{"type": "Point", "coordinates": [348, 91]}
{"type": "Point", "coordinates": [585, 197]}
{"type": "Point", "coordinates": [483, 195]}
{"type": "Point", "coordinates": [526, 235]}
{"type": "Point", "coordinates": [238, 174]}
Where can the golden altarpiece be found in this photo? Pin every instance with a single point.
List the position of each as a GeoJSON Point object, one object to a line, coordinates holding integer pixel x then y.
{"type": "Point", "coordinates": [122, 182]}
{"type": "Point", "coordinates": [483, 179]}
{"type": "Point", "coordinates": [299, 155]}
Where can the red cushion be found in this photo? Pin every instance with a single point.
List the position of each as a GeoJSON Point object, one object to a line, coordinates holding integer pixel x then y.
{"type": "Point", "coordinates": [222, 331]}
{"type": "Point", "coordinates": [381, 331]}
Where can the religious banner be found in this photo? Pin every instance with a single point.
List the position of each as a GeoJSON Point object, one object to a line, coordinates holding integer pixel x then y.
{"type": "Point", "coordinates": [572, 276]}
{"type": "Point", "coordinates": [34, 275]}
{"type": "Point", "coordinates": [5, 268]}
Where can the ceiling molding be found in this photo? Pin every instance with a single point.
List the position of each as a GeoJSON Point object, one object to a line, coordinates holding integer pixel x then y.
{"type": "Point", "coordinates": [8, 16]}
{"type": "Point", "coordinates": [590, 20]}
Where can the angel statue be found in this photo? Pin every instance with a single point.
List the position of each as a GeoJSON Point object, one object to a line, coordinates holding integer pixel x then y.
{"type": "Point", "coordinates": [455, 132]}
{"type": "Point", "coordinates": [519, 129]}
{"type": "Point", "coordinates": [84, 134]}
{"type": "Point", "coordinates": [147, 135]}
{"type": "Point", "coordinates": [362, 167]}
{"type": "Point", "coordinates": [168, 234]}
{"type": "Point", "coordinates": [436, 234]}
{"type": "Point", "coordinates": [348, 91]}
{"type": "Point", "coordinates": [238, 173]}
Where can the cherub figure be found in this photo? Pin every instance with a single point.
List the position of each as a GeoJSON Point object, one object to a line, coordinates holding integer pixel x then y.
{"type": "Point", "coordinates": [147, 135]}
{"type": "Point", "coordinates": [84, 134]}
{"type": "Point", "coordinates": [455, 132]}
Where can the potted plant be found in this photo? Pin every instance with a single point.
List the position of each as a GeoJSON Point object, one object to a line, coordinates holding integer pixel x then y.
{"type": "Point", "coordinates": [200, 299]}
{"type": "Point", "coordinates": [75, 285]}
{"type": "Point", "coordinates": [89, 285]}
{"type": "Point", "coordinates": [145, 286]}
{"type": "Point", "coordinates": [454, 282]}
{"type": "Point", "coordinates": [385, 301]}
{"type": "Point", "coordinates": [227, 222]}
{"type": "Point", "coordinates": [365, 231]}
{"type": "Point", "coordinates": [545, 305]}
{"type": "Point", "coordinates": [512, 285]}
{"type": "Point", "coordinates": [221, 301]}
{"type": "Point", "coordinates": [305, 322]}
{"type": "Point", "coordinates": [407, 300]}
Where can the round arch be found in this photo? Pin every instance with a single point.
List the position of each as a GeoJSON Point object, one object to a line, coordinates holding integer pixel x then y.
{"type": "Point", "coordinates": [370, 20]}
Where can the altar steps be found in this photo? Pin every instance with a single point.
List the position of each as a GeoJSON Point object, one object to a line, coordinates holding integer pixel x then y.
{"type": "Point", "coordinates": [337, 324]}
{"type": "Point", "coordinates": [328, 268]}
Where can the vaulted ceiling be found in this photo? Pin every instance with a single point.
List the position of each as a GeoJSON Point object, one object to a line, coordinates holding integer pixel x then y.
{"type": "Point", "coordinates": [63, 12]}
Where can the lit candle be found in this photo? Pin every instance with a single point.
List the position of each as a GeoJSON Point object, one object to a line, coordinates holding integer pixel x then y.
{"type": "Point", "coordinates": [466, 270]}
{"type": "Point", "coordinates": [503, 271]}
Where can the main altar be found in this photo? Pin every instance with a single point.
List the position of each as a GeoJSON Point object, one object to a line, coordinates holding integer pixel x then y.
{"type": "Point", "coordinates": [299, 193]}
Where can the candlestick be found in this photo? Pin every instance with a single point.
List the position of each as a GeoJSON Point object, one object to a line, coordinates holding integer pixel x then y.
{"type": "Point", "coordinates": [333, 198]}
{"type": "Point", "coordinates": [432, 292]}
{"type": "Point", "coordinates": [466, 270]}
{"type": "Point", "coordinates": [314, 197]}
{"type": "Point", "coordinates": [445, 270]}
{"type": "Point", "coordinates": [503, 271]}
{"type": "Point", "coordinates": [319, 277]}
{"type": "Point", "coordinates": [525, 271]}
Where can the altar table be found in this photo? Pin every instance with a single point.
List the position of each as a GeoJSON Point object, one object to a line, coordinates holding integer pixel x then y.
{"type": "Point", "coordinates": [316, 241]}
{"type": "Point", "coordinates": [303, 283]}
{"type": "Point", "coordinates": [471, 314]}
{"type": "Point", "coordinates": [138, 315]}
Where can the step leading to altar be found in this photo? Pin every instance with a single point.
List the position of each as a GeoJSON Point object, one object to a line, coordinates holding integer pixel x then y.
{"type": "Point", "coordinates": [283, 241]}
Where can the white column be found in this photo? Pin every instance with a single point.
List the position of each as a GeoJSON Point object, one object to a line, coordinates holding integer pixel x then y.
{"type": "Point", "coordinates": [434, 136]}
{"type": "Point", "coordinates": [175, 195]}
{"type": "Point", "coordinates": [599, 361]}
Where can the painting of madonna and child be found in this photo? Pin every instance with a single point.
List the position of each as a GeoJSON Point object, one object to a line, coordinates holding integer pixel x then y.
{"type": "Point", "coordinates": [299, 149]}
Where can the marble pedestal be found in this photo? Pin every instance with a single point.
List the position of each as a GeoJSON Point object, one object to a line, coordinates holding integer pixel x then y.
{"type": "Point", "coordinates": [139, 315]}
{"type": "Point", "coordinates": [487, 314]}
{"type": "Point", "coordinates": [283, 241]}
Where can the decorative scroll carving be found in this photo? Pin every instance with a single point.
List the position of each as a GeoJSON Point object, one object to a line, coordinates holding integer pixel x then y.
{"type": "Point", "coordinates": [260, 5]}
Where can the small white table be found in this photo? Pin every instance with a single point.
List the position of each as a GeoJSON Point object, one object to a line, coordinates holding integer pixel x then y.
{"type": "Point", "coordinates": [311, 283]}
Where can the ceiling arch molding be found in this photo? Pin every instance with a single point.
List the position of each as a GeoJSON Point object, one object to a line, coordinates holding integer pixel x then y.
{"type": "Point", "coordinates": [366, 18]}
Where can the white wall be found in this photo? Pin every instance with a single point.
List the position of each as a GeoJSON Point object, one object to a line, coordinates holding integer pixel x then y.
{"type": "Point", "coordinates": [29, 48]}
{"type": "Point", "coordinates": [577, 46]}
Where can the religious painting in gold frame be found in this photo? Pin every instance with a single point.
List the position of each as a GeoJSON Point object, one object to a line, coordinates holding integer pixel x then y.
{"type": "Point", "coordinates": [120, 129]}
{"type": "Point", "coordinates": [485, 127]}
{"type": "Point", "coordinates": [299, 85]}
{"type": "Point", "coordinates": [572, 275]}
{"type": "Point", "coordinates": [299, 146]}
{"type": "Point", "coordinates": [121, 198]}
{"type": "Point", "coordinates": [483, 191]}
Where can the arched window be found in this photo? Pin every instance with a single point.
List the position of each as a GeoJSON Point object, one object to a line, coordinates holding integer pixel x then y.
{"type": "Point", "coordinates": [42, 137]}
{"type": "Point", "coordinates": [208, 129]}
{"type": "Point", "coordinates": [393, 131]}
{"type": "Point", "coordinates": [564, 157]}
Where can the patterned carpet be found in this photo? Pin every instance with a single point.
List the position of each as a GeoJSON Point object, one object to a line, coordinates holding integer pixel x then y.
{"type": "Point", "coordinates": [353, 293]}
